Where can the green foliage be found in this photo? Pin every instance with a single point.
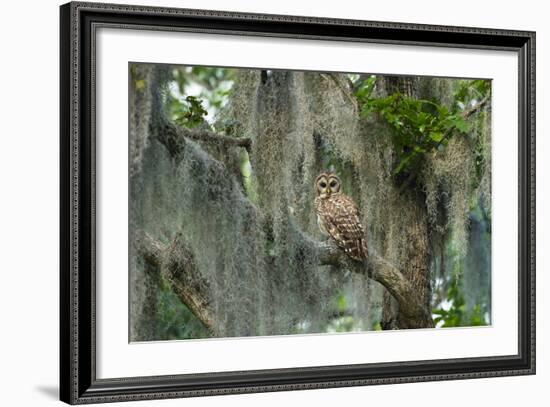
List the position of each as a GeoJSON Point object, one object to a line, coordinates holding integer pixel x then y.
{"type": "Point", "coordinates": [174, 320]}
{"type": "Point", "coordinates": [341, 302]}
{"type": "Point", "coordinates": [457, 314]}
{"type": "Point", "coordinates": [198, 92]}
{"type": "Point", "coordinates": [343, 324]}
{"type": "Point", "coordinates": [469, 91]}
{"type": "Point", "coordinates": [419, 126]}
{"type": "Point", "coordinates": [364, 92]}
{"type": "Point", "coordinates": [214, 84]}
{"type": "Point", "coordinates": [189, 113]}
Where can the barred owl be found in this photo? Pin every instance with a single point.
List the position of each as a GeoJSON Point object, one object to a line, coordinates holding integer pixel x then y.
{"type": "Point", "coordinates": [338, 217]}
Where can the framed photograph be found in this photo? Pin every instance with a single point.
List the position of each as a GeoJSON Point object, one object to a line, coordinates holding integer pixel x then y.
{"type": "Point", "coordinates": [255, 203]}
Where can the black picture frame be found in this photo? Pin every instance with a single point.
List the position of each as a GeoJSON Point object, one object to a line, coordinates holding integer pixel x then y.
{"type": "Point", "coordinates": [78, 382]}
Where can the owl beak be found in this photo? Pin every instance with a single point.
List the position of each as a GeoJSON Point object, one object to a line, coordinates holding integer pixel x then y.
{"type": "Point", "coordinates": [327, 192]}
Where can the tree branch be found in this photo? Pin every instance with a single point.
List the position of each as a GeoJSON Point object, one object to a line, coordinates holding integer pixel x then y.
{"type": "Point", "coordinates": [335, 78]}
{"type": "Point", "coordinates": [176, 262]}
{"type": "Point", "coordinates": [212, 137]}
{"type": "Point", "coordinates": [173, 136]}
{"type": "Point", "coordinates": [476, 108]}
{"type": "Point", "coordinates": [380, 270]}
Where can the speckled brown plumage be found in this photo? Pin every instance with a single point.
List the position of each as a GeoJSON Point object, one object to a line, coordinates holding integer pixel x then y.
{"type": "Point", "coordinates": [338, 217]}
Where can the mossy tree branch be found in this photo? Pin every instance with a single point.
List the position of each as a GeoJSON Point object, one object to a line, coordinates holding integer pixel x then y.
{"type": "Point", "coordinates": [176, 262]}
{"type": "Point", "coordinates": [380, 270]}
{"type": "Point", "coordinates": [173, 137]}
{"type": "Point", "coordinates": [215, 138]}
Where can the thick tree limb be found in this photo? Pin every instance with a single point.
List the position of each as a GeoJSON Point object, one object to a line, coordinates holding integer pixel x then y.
{"type": "Point", "coordinates": [382, 271]}
{"type": "Point", "coordinates": [176, 263]}
{"type": "Point", "coordinates": [173, 137]}
{"type": "Point", "coordinates": [211, 137]}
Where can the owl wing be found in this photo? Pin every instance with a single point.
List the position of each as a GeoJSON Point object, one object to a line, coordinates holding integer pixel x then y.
{"type": "Point", "coordinates": [342, 223]}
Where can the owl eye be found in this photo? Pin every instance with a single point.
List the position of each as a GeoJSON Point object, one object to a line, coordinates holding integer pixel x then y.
{"type": "Point", "coordinates": [333, 184]}
{"type": "Point", "coordinates": [323, 184]}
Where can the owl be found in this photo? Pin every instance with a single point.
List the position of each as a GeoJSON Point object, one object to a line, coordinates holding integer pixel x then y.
{"type": "Point", "coordinates": [338, 217]}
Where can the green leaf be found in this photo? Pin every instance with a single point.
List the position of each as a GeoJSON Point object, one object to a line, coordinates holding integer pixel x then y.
{"type": "Point", "coordinates": [461, 125]}
{"type": "Point", "coordinates": [341, 303]}
{"type": "Point", "coordinates": [436, 136]}
{"type": "Point", "coordinates": [420, 126]}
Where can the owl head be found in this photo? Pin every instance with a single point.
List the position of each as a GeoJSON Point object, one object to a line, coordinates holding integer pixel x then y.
{"type": "Point", "coordinates": [326, 184]}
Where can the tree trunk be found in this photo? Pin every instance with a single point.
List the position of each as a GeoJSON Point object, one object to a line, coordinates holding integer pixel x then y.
{"type": "Point", "coordinates": [414, 227]}
{"type": "Point", "coordinates": [416, 232]}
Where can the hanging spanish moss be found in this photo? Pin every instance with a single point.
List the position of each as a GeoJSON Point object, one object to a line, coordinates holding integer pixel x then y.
{"type": "Point", "coordinates": [224, 234]}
